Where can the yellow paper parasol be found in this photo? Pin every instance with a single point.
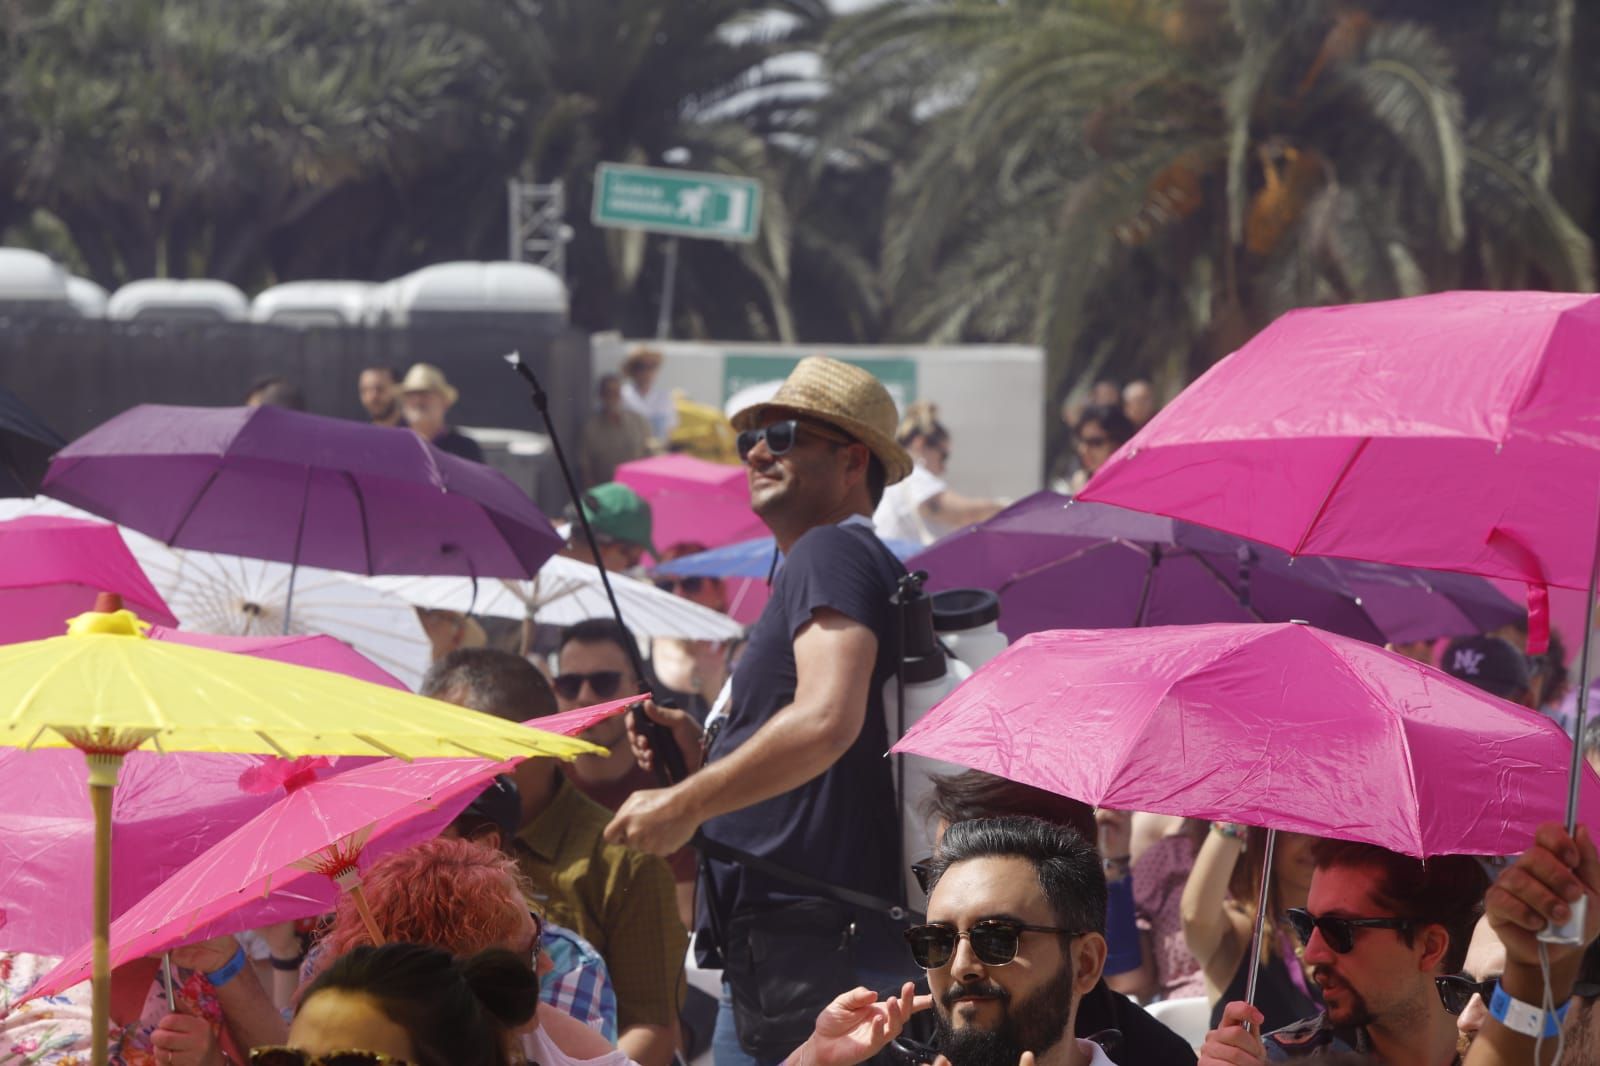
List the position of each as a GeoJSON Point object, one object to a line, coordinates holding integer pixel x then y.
{"type": "Point", "coordinates": [106, 690]}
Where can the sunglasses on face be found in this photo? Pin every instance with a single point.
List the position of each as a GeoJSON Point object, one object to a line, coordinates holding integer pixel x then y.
{"type": "Point", "coordinates": [1338, 933]}
{"type": "Point", "coordinates": [1456, 990]}
{"type": "Point", "coordinates": [1094, 442]}
{"type": "Point", "coordinates": [994, 941]}
{"type": "Point", "coordinates": [293, 1056]}
{"type": "Point", "coordinates": [603, 683]}
{"type": "Point", "coordinates": [783, 436]}
{"type": "Point", "coordinates": [691, 585]}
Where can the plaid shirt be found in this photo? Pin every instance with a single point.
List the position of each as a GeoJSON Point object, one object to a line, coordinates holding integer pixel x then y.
{"type": "Point", "coordinates": [578, 984]}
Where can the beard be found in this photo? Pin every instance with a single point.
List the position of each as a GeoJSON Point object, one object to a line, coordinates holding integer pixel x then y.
{"type": "Point", "coordinates": [1355, 1012]}
{"type": "Point", "coordinates": [1037, 1023]}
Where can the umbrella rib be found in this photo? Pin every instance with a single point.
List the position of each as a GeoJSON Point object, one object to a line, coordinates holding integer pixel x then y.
{"type": "Point", "coordinates": [1205, 563]}
{"type": "Point", "coordinates": [194, 501]}
{"type": "Point", "coordinates": [1322, 508]}
{"type": "Point", "coordinates": [386, 749]}
{"type": "Point", "coordinates": [361, 509]}
{"type": "Point", "coordinates": [273, 744]}
{"type": "Point", "coordinates": [1072, 558]}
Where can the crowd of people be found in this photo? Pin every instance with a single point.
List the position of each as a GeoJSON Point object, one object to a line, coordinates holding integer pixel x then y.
{"type": "Point", "coordinates": [550, 923]}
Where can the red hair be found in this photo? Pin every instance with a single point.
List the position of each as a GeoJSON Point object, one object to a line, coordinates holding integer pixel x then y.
{"type": "Point", "coordinates": [450, 894]}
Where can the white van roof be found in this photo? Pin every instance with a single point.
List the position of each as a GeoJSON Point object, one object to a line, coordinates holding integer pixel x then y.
{"type": "Point", "coordinates": [505, 287]}
{"type": "Point", "coordinates": [194, 299]}
{"type": "Point", "coordinates": [27, 276]}
{"type": "Point", "coordinates": [89, 298]}
{"type": "Point", "coordinates": [313, 303]}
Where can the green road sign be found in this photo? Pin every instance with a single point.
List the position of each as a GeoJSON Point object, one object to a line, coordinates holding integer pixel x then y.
{"type": "Point", "coordinates": [742, 370]}
{"type": "Point", "coordinates": [680, 202]}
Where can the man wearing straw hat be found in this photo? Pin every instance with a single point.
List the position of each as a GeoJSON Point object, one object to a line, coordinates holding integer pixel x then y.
{"type": "Point", "coordinates": [794, 775]}
{"type": "Point", "coordinates": [425, 395]}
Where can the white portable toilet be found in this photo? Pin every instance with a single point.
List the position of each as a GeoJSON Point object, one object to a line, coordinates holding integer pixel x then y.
{"type": "Point", "coordinates": [447, 293]}
{"type": "Point", "coordinates": [173, 300]}
{"type": "Point", "coordinates": [88, 298]}
{"type": "Point", "coordinates": [33, 283]}
{"type": "Point", "coordinates": [313, 303]}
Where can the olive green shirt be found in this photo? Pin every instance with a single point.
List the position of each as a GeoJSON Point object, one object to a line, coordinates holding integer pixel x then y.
{"type": "Point", "coordinates": [620, 900]}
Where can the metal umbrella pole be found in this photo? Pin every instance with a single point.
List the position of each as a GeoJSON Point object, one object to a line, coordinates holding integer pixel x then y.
{"type": "Point", "coordinates": [1259, 929]}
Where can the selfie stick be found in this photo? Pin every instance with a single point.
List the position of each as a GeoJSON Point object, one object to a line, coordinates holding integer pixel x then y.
{"type": "Point", "coordinates": [668, 760]}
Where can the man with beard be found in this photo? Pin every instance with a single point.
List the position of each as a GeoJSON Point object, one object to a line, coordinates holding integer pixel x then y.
{"type": "Point", "coordinates": [1376, 930]}
{"type": "Point", "coordinates": [1015, 937]}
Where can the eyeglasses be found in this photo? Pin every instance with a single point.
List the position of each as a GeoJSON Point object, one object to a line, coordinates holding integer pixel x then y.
{"type": "Point", "coordinates": [293, 1056]}
{"type": "Point", "coordinates": [604, 683]}
{"type": "Point", "coordinates": [1340, 933]}
{"type": "Point", "coordinates": [994, 941]}
{"type": "Point", "coordinates": [1456, 990]}
{"type": "Point", "coordinates": [782, 436]}
{"type": "Point", "coordinates": [691, 585]}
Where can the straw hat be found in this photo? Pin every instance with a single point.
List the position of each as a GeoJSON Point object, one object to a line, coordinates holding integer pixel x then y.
{"type": "Point", "coordinates": [425, 377]}
{"type": "Point", "coordinates": [641, 358]}
{"type": "Point", "coordinates": [844, 396]}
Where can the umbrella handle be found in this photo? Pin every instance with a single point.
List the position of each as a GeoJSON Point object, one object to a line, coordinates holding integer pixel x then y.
{"type": "Point", "coordinates": [359, 898]}
{"type": "Point", "coordinates": [104, 769]}
{"type": "Point", "coordinates": [1261, 919]}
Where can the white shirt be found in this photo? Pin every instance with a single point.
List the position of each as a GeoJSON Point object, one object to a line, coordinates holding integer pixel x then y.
{"type": "Point", "coordinates": [539, 1048]}
{"type": "Point", "coordinates": [899, 514]}
{"type": "Point", "coordinates": [656, 406]}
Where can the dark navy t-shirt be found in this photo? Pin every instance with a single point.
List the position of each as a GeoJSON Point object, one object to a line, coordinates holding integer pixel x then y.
{"type": "Point", "coordinates": [841, 826]}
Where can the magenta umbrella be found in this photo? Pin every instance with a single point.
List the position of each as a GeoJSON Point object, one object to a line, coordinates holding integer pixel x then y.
{"type": "Point", "coordinates": [292, 859]}
{"type": "Point", "coordinates": [52, 568]}
{"type": "Point", "coordinates": [1459, 431]}
{"type": "Point", "coordinates": [693, 500]}
{"type": "Point", "coordinates": [1283, 726]}
{"type": "Point", "coordinates": [167, 808]}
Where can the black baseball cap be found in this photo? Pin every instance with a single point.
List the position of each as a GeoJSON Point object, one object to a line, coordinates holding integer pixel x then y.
{"type": "Point", "coordinates": [1489, 663]}
{"type": "Point", "coordinates": [500, 805]}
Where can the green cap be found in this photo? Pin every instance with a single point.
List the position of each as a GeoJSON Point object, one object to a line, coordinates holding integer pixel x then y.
{"type": "Point", "coordinates": [617, 512]}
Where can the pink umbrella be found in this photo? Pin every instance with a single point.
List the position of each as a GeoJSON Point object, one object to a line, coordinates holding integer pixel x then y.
{"type": "Point", "coordinates": [292, 859]}
{"type": "Point", "coordinates": [693, 500]}
{"type": "Point", "coordinates": [52, 568]}
{"type": "Point", "coordinates": [1282, 726]}
{"type": "Point", "coordinates": [168, 808]}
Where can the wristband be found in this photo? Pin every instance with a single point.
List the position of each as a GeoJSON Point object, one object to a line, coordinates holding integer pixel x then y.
{"type": "Point", "coordinates": [228, 970]}
{"type": "Point", "coordinates": [288, 965]}
{"type": "Point", "coordinates": [1525, 1018]}
{"type": "Point", "coordinates": [1230, 830]}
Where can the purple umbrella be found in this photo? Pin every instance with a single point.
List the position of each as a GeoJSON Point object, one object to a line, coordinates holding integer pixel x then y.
{"type": "Point", "coordinates": [1095, 566]}
{"type": "Point", "coordinates": [270, 483]}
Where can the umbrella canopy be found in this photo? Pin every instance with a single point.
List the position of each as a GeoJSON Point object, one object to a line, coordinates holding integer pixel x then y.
{"type": "Point", "coordinates": [51, 569]}
{"type": "Point", "coordinates": [693, 500]}
{"type": "Point", "coordinates": [750, 558]}
{"type": "Point", "coordinates": [1282, 726]}
{"type": "Point", "coordinates": [565, 592]}
{"type": "Point", "coordinates": [232, 596]}
{"type": "Point", "coordinates": [26, 445]}
{"type": "Point", "coordinates": [167, 810]}
{"type": "Point", "coordinates": [1458, 430]}
{"type": "Point", "coordinates": [106, 680]}
{"type": "Point", "coordinates": [270, 483]}
{"type": "Point", "coordinates": [1059, 564]}
{"type": "Point", "coordinates": [252, 878]}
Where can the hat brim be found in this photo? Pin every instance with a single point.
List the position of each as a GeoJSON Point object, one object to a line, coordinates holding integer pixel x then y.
{"type": "Point", "coordinates": [895, 459]}
{"type": "Point", "coordinates": [447, 391]}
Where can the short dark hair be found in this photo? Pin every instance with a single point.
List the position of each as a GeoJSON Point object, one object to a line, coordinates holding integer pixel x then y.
{"type": "Point", "coordinates": [1068, 867]}
{"type": "Point", "coordinates": [603, 631]}
{"type": "Point", "coordinates": [276, 391]}
{"type": "Point", "coordinates": [456, 1012]}
{"type": "Point", "coordinates": [1444, 890]}
{"type": "Point", "coordinates": [607, 379]}
{"type": "Point", "coordinates": [974, 794]}
{"type": "Point", "coordinates": [494, 682]}
{"type": "Point", "coordinates": [1111, 419]}
{"type": "Point", "coordinates": [381, 368]}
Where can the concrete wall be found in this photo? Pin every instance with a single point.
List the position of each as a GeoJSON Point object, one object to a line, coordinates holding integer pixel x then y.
{"type": "Point", "coordinates": [990, 397]}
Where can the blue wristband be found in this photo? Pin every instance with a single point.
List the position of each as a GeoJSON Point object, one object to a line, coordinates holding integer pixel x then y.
{"type": "Point", "coordinates": [1525, 1018]}
{"type": "Point", "coordinates": [228, 970]}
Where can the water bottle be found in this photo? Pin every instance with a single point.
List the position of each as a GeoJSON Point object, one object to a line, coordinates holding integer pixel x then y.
{"type": "Point", "coordinates": [968, 623]}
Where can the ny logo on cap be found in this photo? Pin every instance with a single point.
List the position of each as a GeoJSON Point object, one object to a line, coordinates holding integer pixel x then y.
{"type": "Point", "coordinates": [1467, 661]}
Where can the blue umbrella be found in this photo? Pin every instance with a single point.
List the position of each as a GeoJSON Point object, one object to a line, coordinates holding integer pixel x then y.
{"type": "Point", "coordinates": [749, 558]}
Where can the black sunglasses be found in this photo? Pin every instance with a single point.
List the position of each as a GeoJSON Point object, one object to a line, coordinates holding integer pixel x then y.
{"type": "Point", "coordinates": [994, 941]}
{"type": "Point", "coordinates": [691, 585]}
{"type": "Point", "coordinates": [782, 436]}
{"type": "Point", "coordinates": [293, 1056]}
{"type": "Point", "coordinates": [1456, 990]}
{"type": "Point", "coordinates": [604, 683]}
{"type": "Point", "coordinates": [1340, 933]}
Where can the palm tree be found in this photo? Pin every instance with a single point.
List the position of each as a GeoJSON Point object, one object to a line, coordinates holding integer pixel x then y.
{"type": "Point", "coordinates": [1141, 185]}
